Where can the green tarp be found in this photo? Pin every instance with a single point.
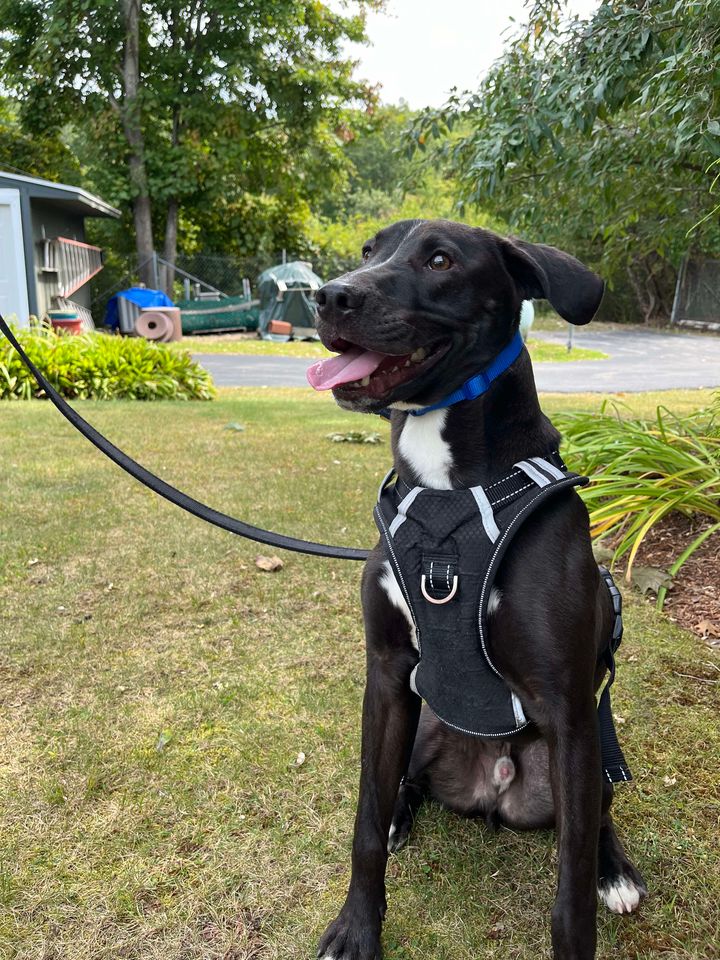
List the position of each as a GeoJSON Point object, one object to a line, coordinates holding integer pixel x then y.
{"type": "Point", "coordinates": [229, 313]}
{"type": "Point", "coordinates": [287, 292]}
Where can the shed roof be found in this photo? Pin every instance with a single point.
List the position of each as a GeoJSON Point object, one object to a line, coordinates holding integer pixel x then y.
{"type": "Point", "coordinates": [74, 198]}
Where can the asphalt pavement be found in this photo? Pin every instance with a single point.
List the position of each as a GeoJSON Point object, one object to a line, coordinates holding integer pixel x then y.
{"type": "Point", "coordinates": [638, 360]}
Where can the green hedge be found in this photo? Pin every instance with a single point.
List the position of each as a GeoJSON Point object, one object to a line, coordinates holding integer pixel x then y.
{"type": "Point", "coordinates": [97, 366]}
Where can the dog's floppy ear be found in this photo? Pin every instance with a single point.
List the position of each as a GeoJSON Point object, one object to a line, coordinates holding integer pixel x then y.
{"type": "Point", "coordinates": [545, 273]}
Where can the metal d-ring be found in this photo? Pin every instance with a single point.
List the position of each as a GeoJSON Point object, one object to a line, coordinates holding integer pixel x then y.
{"type": "Point", "coordinates": [446, 599]}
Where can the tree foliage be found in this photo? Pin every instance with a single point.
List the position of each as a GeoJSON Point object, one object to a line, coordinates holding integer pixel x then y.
{"type": "Point", "coordinates": [599, 135]}
{"type": "Point", "coordinates": [46, 156]}
{"type": "Point", "coordinates": [190, 110]}
{"type": "Point", "coordinates": [380, 183]}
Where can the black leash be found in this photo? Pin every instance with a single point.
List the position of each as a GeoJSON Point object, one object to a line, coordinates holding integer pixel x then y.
{"type": "Point", "coordinates": [166, 490]}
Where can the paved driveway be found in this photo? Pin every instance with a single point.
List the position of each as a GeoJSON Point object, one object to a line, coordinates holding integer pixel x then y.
{"type": "Point", "coordinates": [638, 360]}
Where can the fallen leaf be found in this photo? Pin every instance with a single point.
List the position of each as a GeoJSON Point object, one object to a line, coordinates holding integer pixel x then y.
{"type": "Point", "coordinates": [648, 579]}
{"type": "Point", "coordinates": [163, 740]}
{"type": "Point", "coordinates": [299, 760]}
{"type": "Point", "coordinates": [31, 563]}
{"type": "Point", "coordinates": [238, 427]}
{"type": "Point", "coordinates": [269, 564]}
{"type": "Point", "coordinates": [707, 628]}
{"type": "Point", "coordinates": [496, 932]}
{"type": "Point", "coordinates": [669, 781]}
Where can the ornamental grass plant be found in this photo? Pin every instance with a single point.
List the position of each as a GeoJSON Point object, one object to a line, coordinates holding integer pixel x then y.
{"type": "Point", "coordinates": [644, 469]}
{"type": "Point", "coordinates": [97, 366]}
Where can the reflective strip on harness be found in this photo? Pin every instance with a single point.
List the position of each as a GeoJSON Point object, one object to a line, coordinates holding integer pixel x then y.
{"type": "Point", "coordinates": [403, 507]}
{"type": "Point", "coordinates": [486, 512]}
{"type": "Point", "coordinates": [554, 472]}
{"type": "Point", "coordinates": [539, 478]}
{"type": "Point", "coordinates": [520, 717]}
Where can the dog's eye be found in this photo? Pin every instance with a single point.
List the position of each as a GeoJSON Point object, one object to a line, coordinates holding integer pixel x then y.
{"type": "Point", "coordinates": [365, 256]}
{"type": "Point", "coordinates": [439, 261]}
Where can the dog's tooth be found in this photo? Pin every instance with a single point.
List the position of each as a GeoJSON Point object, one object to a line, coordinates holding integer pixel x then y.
{"type": "Point", "coordinates": [365, 382]}
{"type": "Point", "coordinates": [418, 355]}
{"type": "Point", "coordinates": [406, 364]}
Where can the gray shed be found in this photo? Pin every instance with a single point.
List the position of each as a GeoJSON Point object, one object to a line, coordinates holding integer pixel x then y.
{"type": "Point", "coordinates": [45, 262]}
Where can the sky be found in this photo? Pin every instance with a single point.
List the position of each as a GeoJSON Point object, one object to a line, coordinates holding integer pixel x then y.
{"type": "Point", "coordinates": [422, 48]}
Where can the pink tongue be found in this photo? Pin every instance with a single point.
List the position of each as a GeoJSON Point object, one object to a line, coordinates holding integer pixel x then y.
{"type": "Point", "coordinates": [353, 364]}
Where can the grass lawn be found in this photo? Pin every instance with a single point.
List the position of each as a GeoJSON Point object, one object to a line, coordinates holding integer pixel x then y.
{"type": "Point", "coordinates": [157, 689]}
{"type": "Point", "coordinates": [540, 351]}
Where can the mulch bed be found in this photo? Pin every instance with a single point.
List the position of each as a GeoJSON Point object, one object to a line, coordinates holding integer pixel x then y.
{"type": "Point", "coordinates": [693, 601]}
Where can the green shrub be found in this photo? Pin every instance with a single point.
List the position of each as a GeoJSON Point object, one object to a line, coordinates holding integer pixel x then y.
{"type": "Point", "coordinates": [642, 470]}
{"type": "Point", "coordinates": [97, 366]}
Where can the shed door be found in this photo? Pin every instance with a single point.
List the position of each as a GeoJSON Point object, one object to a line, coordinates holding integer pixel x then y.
{"type": "Point", "coordinates": [13, 283]}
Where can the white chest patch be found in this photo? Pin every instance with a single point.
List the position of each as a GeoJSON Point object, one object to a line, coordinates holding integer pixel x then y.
{"type": "Point", "coordinates": [391, 587]}
{"type": "Point", "coordinates": [422, 446]}
{"type": "Point", "coordinates": [493, 601]}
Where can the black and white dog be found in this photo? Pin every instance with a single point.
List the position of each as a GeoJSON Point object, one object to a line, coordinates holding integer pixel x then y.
{"type": "Point", "coordinates": [433, 303]}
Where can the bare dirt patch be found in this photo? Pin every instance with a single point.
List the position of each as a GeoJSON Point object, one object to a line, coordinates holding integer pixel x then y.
{"type": "Point", "coordinates": [693, 601]}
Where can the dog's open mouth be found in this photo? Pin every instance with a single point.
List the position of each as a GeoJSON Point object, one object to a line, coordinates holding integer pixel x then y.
{"type": "Point", "coordinates": [367, 371]}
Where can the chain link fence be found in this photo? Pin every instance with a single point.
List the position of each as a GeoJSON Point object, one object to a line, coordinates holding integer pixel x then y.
{"type": "Point", "coordinates": [697, 295]}
{"type": "Point", "coordinates": [223, 272]}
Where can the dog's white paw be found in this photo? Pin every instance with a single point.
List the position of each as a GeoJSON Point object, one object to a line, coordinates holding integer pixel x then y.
{"type": "Point", "coordinates": [621, 895]}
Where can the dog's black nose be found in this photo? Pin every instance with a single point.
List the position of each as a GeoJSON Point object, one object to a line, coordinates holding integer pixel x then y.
{"type": "Point", "coordinates": [339, 296]}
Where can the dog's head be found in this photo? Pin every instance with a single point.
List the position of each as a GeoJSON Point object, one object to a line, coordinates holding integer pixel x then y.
{"type": "Point", "coordinates": [432, 304]}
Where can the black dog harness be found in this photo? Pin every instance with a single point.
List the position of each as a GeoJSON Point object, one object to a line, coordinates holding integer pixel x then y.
{"type": "Point", "coordinates": [445, 547]}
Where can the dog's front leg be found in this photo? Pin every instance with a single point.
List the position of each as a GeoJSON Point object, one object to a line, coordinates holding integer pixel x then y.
{"type": "Point", "coordinates": [577, 787]}
{"type": "Point", "coordinates": [390, 717]}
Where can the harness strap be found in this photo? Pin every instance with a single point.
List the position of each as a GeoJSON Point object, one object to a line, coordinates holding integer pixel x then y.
{"type": "Point", "coordinates": [615, 766]}
{"type": "Point", "coordinates": [166, 490]}
{"type": "Point", "coordinates": [500, 492]}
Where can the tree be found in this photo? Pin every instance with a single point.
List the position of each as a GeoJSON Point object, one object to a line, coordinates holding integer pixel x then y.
{"type": "Point", "coordinates": [598, 135]}
{"type": "Point", "coordinates": [171, 94]}
{"type": "Point", "coordinates": [377, 169]}
{"type": "Point", "coordinates": [48, 157]}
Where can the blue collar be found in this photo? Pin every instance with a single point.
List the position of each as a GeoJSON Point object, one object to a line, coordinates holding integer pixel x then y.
{"type": "Point", "coordinates": [480, 383]}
